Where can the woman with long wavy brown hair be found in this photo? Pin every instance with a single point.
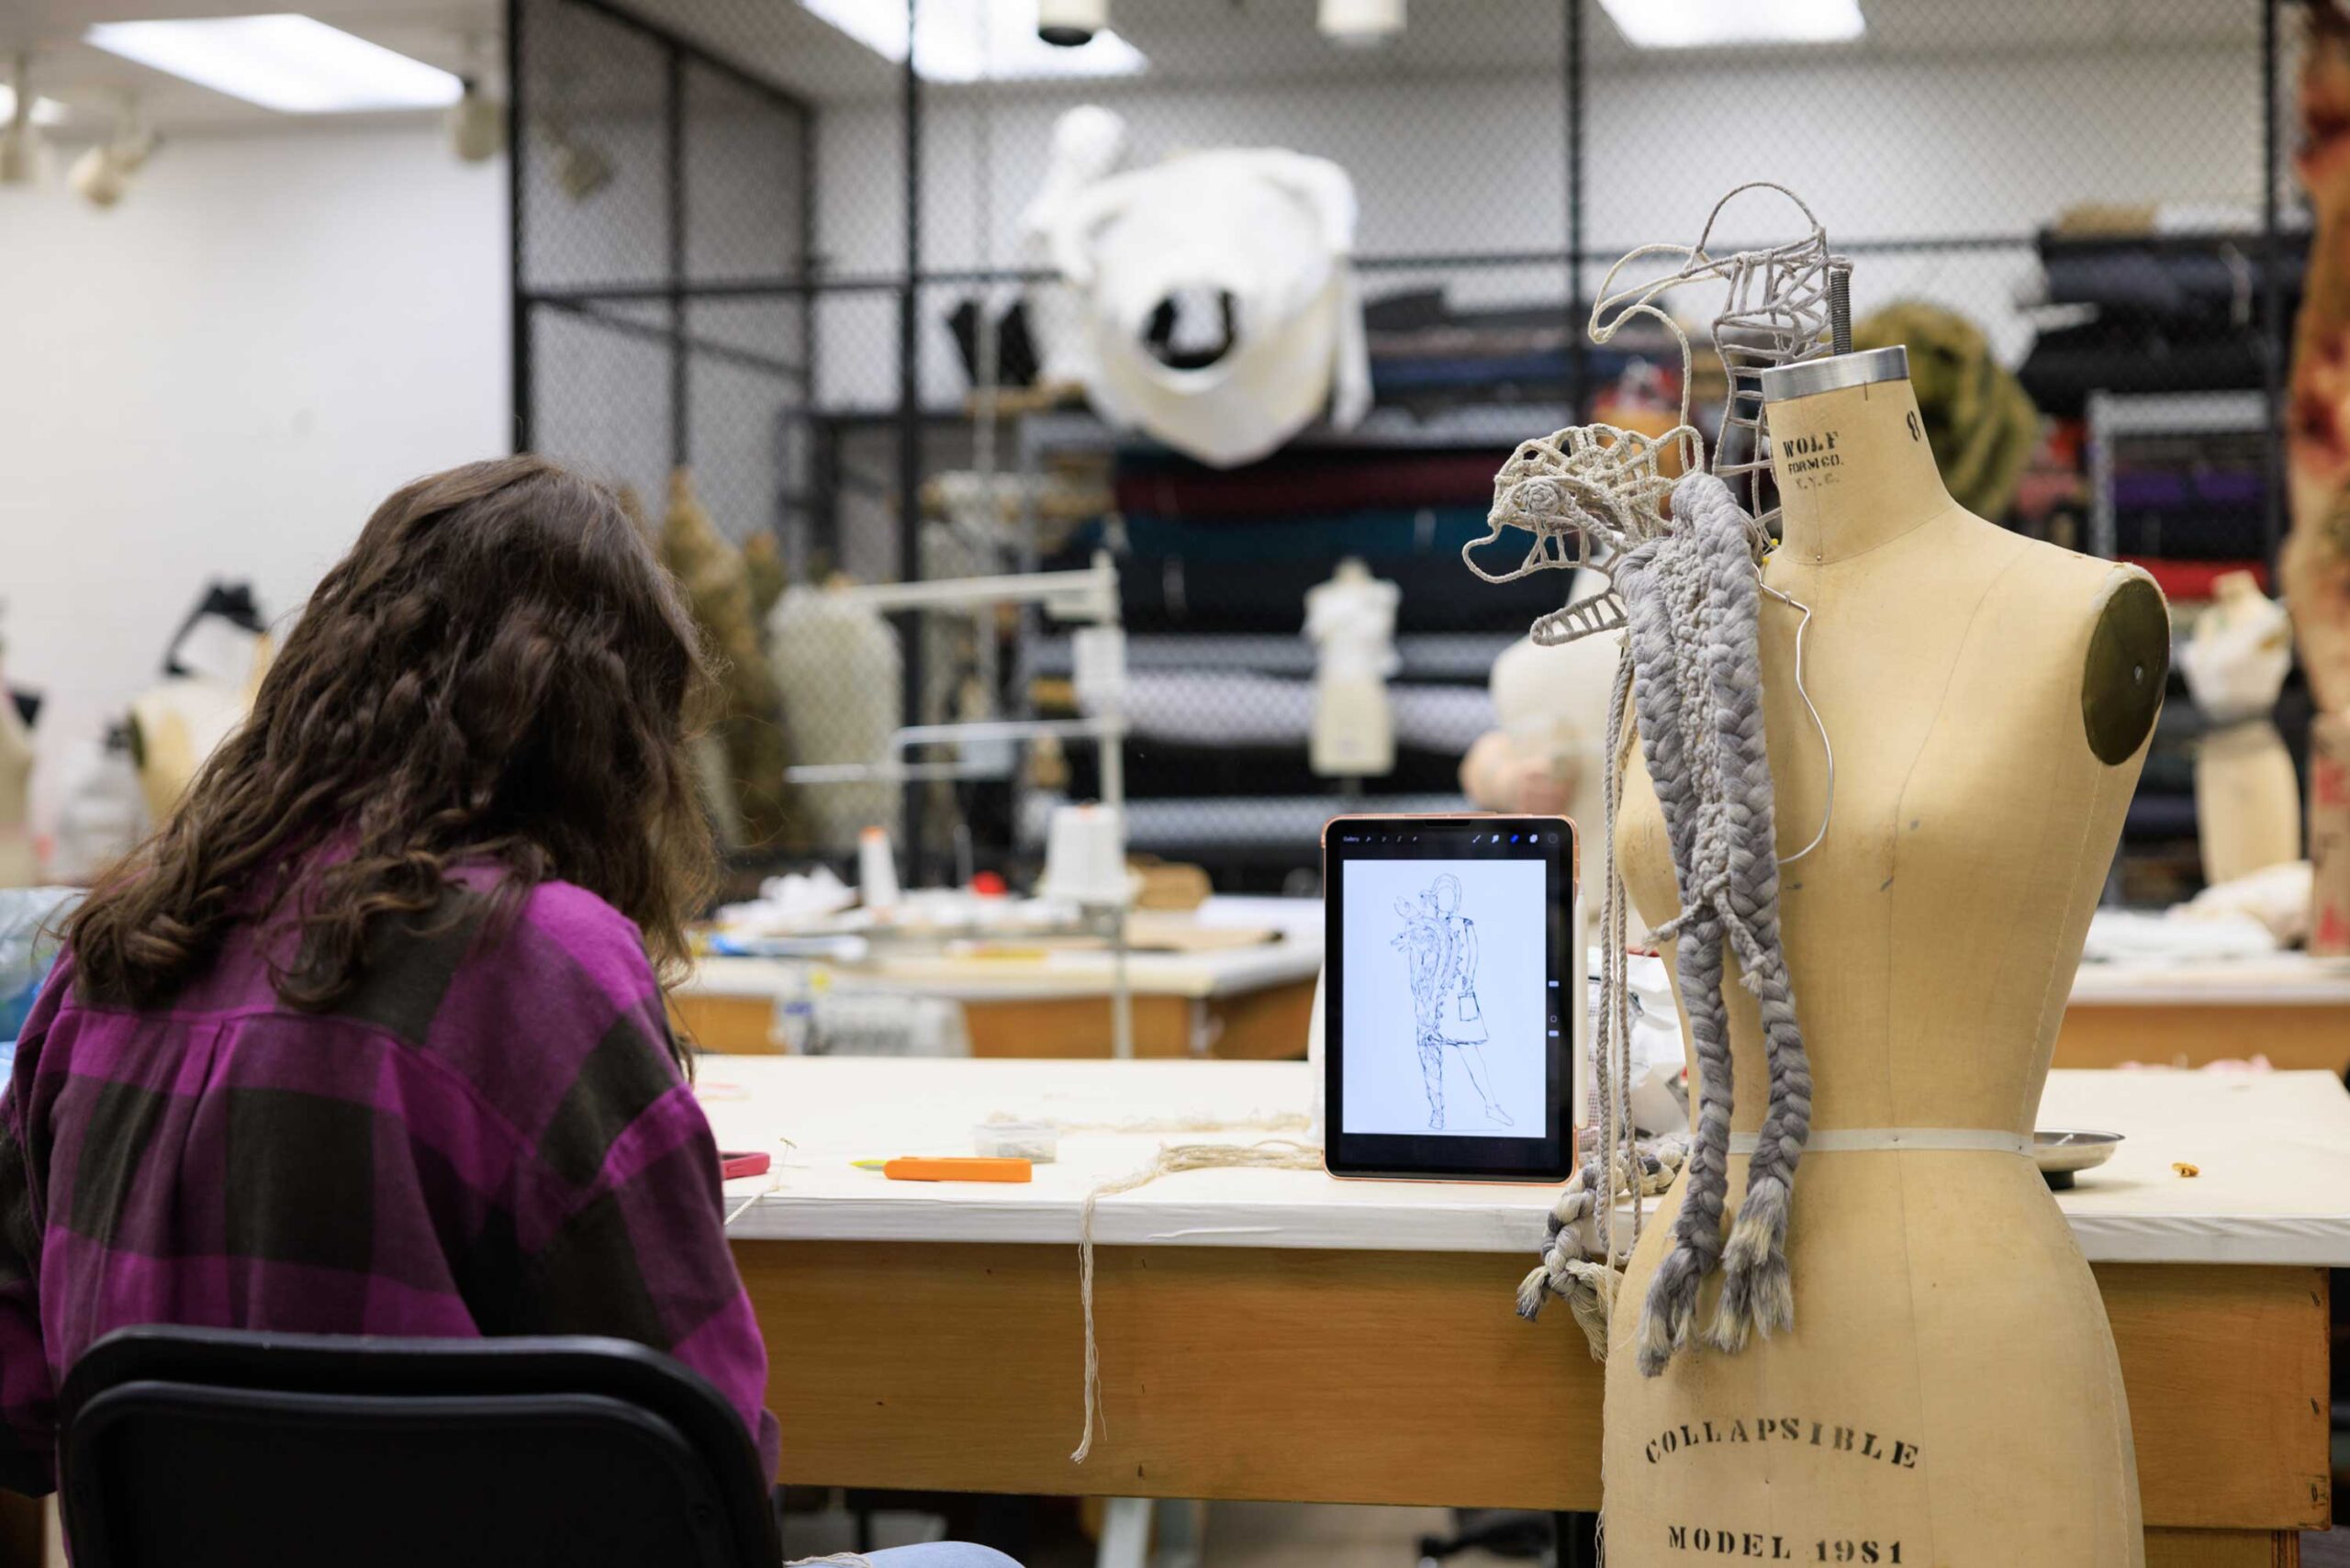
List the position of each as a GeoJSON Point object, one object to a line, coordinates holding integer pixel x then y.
{"type": "Point", "coordinates": [368, 1037]}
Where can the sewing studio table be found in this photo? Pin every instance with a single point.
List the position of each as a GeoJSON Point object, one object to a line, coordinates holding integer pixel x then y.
{"type": "Point", "coordinates": [1249, 1003]}
{"type": "Point", "coordinates": [2292, 1009]}
{"type": "Point", "coordinates": [1276, 1334]}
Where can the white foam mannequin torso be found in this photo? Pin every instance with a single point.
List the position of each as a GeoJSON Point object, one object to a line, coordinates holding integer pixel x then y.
{"type": "Point", "coordinates": [1950, 1381]}
{"type": "Point", "coordinates": [2247, 797]}
{"type": "Point", "coordinates": [1552, 704]}
{"type": "Point", "coordinates": [1350, 620]}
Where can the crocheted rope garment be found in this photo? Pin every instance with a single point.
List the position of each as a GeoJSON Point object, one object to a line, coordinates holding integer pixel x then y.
{"type": "Point", "coordinates": [1692, 590]}
{"type": "Point", "coordinates": [1692, 597]}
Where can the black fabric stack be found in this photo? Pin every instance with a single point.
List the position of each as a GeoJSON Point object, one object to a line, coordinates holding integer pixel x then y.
{"type": "Point", "coordinates": [2175, 313]}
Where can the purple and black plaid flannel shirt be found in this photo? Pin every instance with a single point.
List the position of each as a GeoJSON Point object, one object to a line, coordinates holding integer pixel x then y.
{"type": "Point", "coordinates": [487, 1137]}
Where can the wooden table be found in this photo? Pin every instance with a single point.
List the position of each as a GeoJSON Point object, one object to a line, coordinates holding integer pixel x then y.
{"type": "Point", "coordinates": [2292, 1009]}
{"type": "Point", "coordinates": [1248, 1003]}
{"type": "Point", "coordinates": [1270, 1334]}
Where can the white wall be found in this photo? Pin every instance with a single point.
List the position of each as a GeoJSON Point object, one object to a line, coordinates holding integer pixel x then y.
{"type": "Point", "coordinates": [1883, 147]}
{"type": "Point", "coordinates": [222, 376]}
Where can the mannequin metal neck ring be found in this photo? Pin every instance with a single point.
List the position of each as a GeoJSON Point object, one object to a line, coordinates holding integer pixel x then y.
{"type": "Point", "coordinates": [1809, 377]}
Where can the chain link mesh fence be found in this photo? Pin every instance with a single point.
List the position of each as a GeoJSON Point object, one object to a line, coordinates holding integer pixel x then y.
{"type": "Point", "coordinates": [2059, 208]}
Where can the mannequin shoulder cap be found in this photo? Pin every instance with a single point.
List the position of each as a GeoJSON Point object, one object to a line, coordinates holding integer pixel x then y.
{"type": "Point", "coordinates": [2127, 664]}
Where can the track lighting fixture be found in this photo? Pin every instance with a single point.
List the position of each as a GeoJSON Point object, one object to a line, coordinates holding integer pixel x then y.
{"type": "Point", "coordinates": [1071, 24]}
{"type": "Point", "coordinates": [1361, 23]}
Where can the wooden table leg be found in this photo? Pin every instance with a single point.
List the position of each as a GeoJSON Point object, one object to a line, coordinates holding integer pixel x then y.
{"type": "Point", "coordinates": [2222, 1549]}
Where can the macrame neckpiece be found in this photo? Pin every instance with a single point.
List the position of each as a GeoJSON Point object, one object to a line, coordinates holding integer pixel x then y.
{"type": "Point", "coordinates": [1584, 495]}
{"type": "Point", "coordinates": [1686, 586]}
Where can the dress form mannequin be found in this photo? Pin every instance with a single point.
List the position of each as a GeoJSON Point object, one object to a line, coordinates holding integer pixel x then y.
{"type": "Point", "coordinates": [2247, 799]}
{"type": "Point", "coordinates": [218, 665]}
{"type": "Point", "coordinates": [1949, 1393]}
{"type": "Point", "coordinates": [1351, 622]}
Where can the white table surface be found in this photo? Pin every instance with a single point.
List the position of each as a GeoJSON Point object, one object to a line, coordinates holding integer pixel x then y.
{"type": "Point", "coordinates": [1197, 975]}
{"type": "Point", "coordinates": [2273, 1149]}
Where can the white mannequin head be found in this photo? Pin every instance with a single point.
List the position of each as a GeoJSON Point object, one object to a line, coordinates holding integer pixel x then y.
{"type": "Point", "coordinates": [1088, 142]}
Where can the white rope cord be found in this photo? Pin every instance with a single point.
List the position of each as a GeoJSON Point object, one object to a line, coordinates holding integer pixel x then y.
{"type": "Point", "coordinates": [1255, 1121]}
{"type": "Point", "coordinates": [1271, 1154]}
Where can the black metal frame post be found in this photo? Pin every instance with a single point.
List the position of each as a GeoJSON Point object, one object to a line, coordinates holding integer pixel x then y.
{"type": "Point", "coordinates": [801, 505]}
{"type": "Point", "coordinates": [910, 430]}
{"type": "Point", "coordinates": [1578, 312]}
{"type": "Point", "coordinates": [673, 157]}
{"type": "Point", "coordinates": [2276, 333]}
{"type": "Point", "coordinates": [518, 368]}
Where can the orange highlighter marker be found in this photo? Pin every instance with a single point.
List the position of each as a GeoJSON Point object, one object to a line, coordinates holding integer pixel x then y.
{"type": "Point", "coordinates": [949, 1167]}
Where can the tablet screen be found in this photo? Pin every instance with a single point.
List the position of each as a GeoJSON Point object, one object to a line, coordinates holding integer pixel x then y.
{"type": "Point", "coordinates": [1449, 995]}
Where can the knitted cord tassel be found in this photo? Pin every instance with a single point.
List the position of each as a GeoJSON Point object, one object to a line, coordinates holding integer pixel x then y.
{"type": "Point", "coordinates": [1692, 597]}
{"type": "Point", "coordinates": [1620, 1160]}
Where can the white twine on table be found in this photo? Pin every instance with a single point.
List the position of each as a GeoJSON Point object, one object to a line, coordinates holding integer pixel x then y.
{"type": "Point", "coordinates": [1267, 1121]}
{"type": "Point", "coordinates": [1270, 1154]}
{"type": "Point", "coordinates": [775, 1185]}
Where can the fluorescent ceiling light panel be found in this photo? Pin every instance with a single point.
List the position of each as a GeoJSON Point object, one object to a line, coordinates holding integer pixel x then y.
{"type": "Point", "coordinates": [294, 64]}
{"type": "Point", "coordinates": [952, 46]}
{"type": "Point", "coordinates": [1713, 24]}
{"type": "Point", "coordinates": [46, 111]}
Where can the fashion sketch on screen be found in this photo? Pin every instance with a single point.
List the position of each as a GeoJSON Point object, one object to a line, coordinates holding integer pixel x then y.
{"type": "Point", "coordinates": [1439, 947]}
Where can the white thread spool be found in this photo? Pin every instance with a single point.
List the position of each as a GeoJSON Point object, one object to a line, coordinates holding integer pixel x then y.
{"type": "Point", "coordinates": [1085, 857]}
{"type": "Point", "coordinates": [877, 869]}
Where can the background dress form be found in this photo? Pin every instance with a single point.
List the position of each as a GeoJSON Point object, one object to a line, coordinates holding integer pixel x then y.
{"type": "Point", "coordinates": [1951, 1380]}
{"type": "Point", "coordinates": [2247, 798]}
{"type": "Point", "coordinates": [1350, 620]}
{"type": "Point", "coordinates": [180, 723]}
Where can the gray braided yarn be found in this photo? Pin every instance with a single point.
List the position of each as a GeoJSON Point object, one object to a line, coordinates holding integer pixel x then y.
{"type": "Point", "coordinates": [1692, 597]}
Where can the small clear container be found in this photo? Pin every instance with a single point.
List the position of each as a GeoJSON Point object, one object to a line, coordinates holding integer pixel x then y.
{"type": "Point", "coordinates": [1037, 1142]}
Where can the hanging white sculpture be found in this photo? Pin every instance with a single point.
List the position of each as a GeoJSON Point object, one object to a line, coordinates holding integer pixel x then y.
{"type": "Point", "coordinates": [1221, 306]}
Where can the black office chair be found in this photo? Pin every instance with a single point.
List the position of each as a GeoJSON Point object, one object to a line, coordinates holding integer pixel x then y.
{"type": "Point", "coordinates": [194, 1447]}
